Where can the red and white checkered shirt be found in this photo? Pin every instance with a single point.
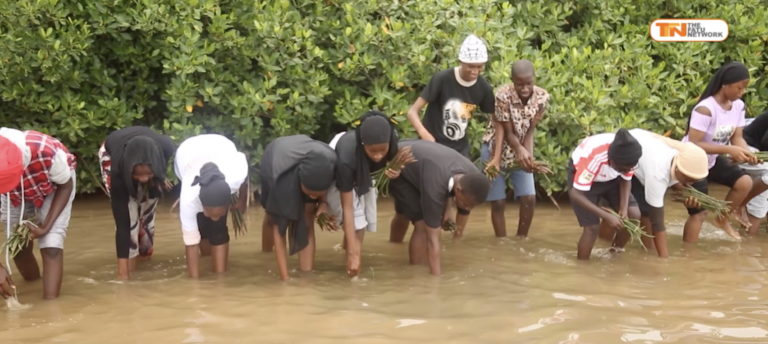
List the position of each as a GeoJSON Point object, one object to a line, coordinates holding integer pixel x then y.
{"type": "Point", "coordinates": [37, 181]}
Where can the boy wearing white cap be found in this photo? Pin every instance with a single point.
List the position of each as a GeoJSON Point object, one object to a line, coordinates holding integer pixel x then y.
{"type": "Point", "coordinates": [453, 94]}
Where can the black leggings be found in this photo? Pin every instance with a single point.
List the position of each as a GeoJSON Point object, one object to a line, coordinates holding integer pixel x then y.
{"type": "Point", "coordinates": [216, 232]}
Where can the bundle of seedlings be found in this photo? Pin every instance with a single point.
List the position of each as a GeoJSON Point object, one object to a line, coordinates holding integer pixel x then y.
{"type": "Point", "coordinates": [450, 226]}
{"type": "Point", "coordinates": [403, 157]}
{"type": "Point", "coordinates": [633, 227]}
{"type": "Point", "coordinates": [238, 220]}
{"type": "Point", "coordinates": [718, 207]}
{"type": "Point", "coordinates": [20, 237]}
{"type": "Point", "coordinates": [327, 222]}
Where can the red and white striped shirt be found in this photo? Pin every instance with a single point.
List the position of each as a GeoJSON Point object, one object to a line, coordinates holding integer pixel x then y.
{"type": "Point", "coordinates": [591, 161]}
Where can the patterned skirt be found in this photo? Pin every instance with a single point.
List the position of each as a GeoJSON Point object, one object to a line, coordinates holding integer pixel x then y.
{"type": "Point", "coordinates": [142, 212]}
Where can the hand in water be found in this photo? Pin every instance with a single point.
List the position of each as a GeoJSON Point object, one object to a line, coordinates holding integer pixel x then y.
{"type": "Point", "coordinates": [6, 283]}
{"type": "Point", "coordinates": [392, 174]}
{"type": "Point", "coordinates": [353, 260]}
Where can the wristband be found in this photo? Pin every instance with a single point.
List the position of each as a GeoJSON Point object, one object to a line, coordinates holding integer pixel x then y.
{"type": "Point", "coordinates": [462, 211]}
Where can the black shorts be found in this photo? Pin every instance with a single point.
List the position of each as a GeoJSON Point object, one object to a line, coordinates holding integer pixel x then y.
{"type": "Point", "coordinates": [724, 173]}
{"type": "Point", "coordinates": [407, 199]}
{"type": "Point", "coordinates": [607, 191]}
{"type": "Point", "coordinates": [216, 232]}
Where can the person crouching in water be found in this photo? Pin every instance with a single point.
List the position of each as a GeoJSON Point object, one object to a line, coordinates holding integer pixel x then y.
{"type": "Point", "coordinates": [140, 158]}
{"type": "Point", "coordinates": [45, 185]}
{"type": "Point", "coordinates": [425, 194]}
{"type": "Point", "coordinates": [352, 199]}
{"type": "Point", "coordinates": [210, 170]}
{"type": "Point", "coordinates": [601, 166]}
{"type": "Point", "coordinates": [672, 164]}
{"type": "Point", "coordinates": [295, 173]}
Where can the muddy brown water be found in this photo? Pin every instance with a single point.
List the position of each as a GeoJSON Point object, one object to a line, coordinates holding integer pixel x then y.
{"type": "Point", "coordinates": [492, 290]}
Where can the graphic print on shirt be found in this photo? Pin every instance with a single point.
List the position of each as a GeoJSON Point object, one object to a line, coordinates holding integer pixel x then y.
{"type": "Point", "coordinates": [723, 134]}
{"type": "Point", "coordinates": [456, 115]}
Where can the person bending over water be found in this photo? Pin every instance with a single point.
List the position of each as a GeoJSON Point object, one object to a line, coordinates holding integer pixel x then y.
{"type": "Point", "coordinates": [716, 124]}
{"type": "Point", "coordinates": [44, 184]}
{"type": "Point", "coordinates": [295, 173]}
{"type": "Point", "coordinates": [668, 163]}
{"type": "Point", "coordinates": [140, 159]}
{"type": "Point", "coordinates": [509, 139]}
{"type": "Point", "coordinates": [756, 202]}
{"type": "Point", "coordinates": [10, 160]}
{"type": "Point", "coordinates": [352, 199]}
{"type": "Point", "coordinates": [425, 194]}
{"type": "Point", "coordinates": [601, 167]}
{"type": "Point", "coordinates": [210, 170]}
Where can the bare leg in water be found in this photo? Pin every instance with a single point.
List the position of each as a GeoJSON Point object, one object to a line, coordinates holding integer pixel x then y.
{"type": "Point", "coordinates": [736, 196]}
{"type": "Point", "coordinates": [53, 268]}
{"type": "Point", "coordinates": [267, 240]}
{"type": "Point", "coordinates": [398, 228]}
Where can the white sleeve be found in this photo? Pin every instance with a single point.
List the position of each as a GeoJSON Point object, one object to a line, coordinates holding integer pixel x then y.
{"type": "Point", "coordinates": [59, 172]}
{"type": "Point", "coordinates": [236, 172]}
{"type": "Point", "coordinates": [655, 189]}
{"type": "Point", "coordinates": [189, 207]}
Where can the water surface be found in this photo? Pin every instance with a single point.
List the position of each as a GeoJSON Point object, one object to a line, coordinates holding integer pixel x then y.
{"type": "Point", "coordinates": [492, 290]}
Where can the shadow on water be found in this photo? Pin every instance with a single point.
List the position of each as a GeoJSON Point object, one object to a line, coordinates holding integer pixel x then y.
{"type": "Point", "coordinates": [493, 290]}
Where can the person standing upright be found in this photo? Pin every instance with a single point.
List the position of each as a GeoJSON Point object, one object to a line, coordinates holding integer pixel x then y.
{"type": "Point", "coordinates": [453, 94]}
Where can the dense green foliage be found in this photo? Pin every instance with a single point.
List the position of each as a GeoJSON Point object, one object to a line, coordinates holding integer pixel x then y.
{"type": "Point", "coordinates": [255, 70]}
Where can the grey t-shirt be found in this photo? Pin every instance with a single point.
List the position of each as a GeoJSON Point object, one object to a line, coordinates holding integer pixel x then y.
{"type": "Point", "coordinates": [289, 150]}
{"type": "Point", "coordinates": [435, 166]}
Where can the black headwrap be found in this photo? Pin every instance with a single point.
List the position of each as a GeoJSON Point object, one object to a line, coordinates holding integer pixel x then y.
{"type": "Point", "coordinates": [625, 150]}
{"type": "Point", "coordinates": [214, 190]}
{"type": "Point", "coordinates": [376, 132]}
{"type": "Point", "coordinates": [286, 201]}
{"type": "Point", "coordinates": [141, 150]}
{"type": "Point", "coordinates": [730, 73]}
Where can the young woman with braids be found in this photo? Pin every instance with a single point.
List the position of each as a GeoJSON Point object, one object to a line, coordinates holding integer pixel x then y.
{"type": "Point", "coordinates": [133, 163]}
{"type": "Point", "coordinates": [210, 170]}
{"type": "Point", "coordinates": [716, 124]}
{"type": "Point", "coordinates": [352, 199]}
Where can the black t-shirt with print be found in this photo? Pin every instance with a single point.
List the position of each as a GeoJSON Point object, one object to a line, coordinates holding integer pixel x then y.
{"type": "Point", "coordinates": [346, 169]}
{"type": "Point", "coordinates": [451, 105]}
{"type": "Point", "coordinates": [435, 165]}
{"type": "Point", "coordinates": [756, 133]}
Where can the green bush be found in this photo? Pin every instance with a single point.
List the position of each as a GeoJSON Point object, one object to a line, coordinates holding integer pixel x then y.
{"type": "Point", "coordinates": [256, 70]}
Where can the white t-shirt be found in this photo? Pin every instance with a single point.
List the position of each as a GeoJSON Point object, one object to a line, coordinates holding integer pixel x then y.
{"type": "Point", "coordinates": [192, 154]}
{"type": "Point", "coordinates": [590, 158]}
{"type": "Point", "coordinates": [654, 169]}
{"type": "Point", "coordinates": [59, 173]}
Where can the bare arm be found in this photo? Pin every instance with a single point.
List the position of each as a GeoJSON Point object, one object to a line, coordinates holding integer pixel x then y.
{"type": "Point", "coordinates": [193, 260]}
{"type": "Point", "coordinates": [414, 116]}
{"type": "Point", "coordinates": [348, 224]}
{"type": "Point", "coordinates": [738, 138]}
{"type": "Point", "coordinates": [528, 139]}
{"type": "Point", "coordinates": [60, 200]}
{"type": "Point", "coordinates": [499, 140]}
{"type": "Point", "coordinates": [625, 187]}
{"type": "Point", "coordinates": [656, 216]}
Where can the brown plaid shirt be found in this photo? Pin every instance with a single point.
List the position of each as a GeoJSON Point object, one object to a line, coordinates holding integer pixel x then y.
{"type": "Point", "coordinates": [509, 107]}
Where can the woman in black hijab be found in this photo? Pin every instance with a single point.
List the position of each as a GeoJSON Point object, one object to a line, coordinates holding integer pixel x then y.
{"type": "Point", "coordinates": [352, 199]}
{"type": "Point", "coordinates": [295, 173]}
{"type": "Point", "coordinates": [716, 125]}
{"type": "Point", "coordinates": [133, 164]}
